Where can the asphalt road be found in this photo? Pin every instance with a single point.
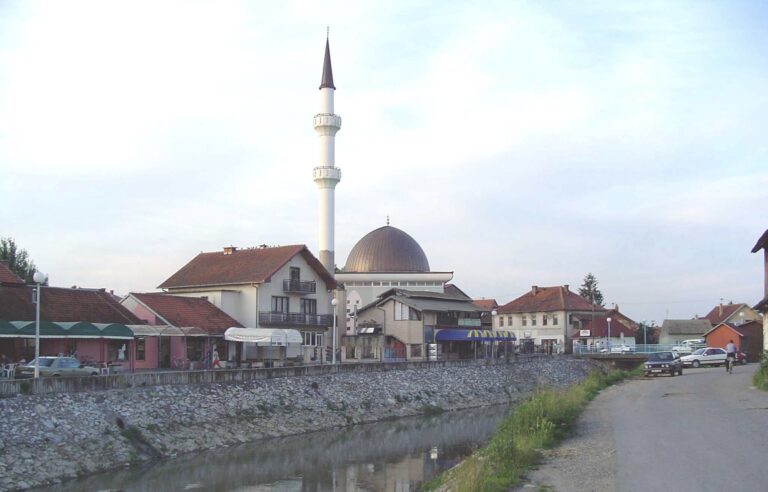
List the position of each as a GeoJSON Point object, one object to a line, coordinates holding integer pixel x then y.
{"type": "Point", "coordinates": [703, 431]}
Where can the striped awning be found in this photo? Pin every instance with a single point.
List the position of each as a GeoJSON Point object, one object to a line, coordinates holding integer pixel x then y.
{"type": "Point", "coordinates": [474, 335]}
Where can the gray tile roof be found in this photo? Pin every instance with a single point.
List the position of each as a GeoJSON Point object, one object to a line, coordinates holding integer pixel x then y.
{"type": "Point", "coordinates": [686, 326]}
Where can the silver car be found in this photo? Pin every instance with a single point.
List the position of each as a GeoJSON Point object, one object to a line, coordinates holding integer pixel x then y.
{"type": "Point", "coordinates": [56, 367]}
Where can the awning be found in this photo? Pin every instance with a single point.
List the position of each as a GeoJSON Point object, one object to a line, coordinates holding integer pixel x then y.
{"type": "Point", "coordinates": [264, 336]}
{"type": "Point", "coordinates": [475, 335]}
{"type": "Point", "coordinates": [65, 329]}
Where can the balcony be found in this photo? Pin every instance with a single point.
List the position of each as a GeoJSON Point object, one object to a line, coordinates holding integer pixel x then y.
{"type": "Point", "coordinates": [299, 287]}
{"type": "Point", "coordinates": [295, 319]}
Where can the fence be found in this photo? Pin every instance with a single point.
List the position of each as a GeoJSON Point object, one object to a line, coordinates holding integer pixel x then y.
{"type": "Point", "coordinates": [143, 379]}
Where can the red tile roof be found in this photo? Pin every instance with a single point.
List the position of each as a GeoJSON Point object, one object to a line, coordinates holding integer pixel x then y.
{"type": "Point", "coordinates": [722, 312]}
{"type": "Point", "coordinates": [487, 304]}
{"type": "Point", "coordinates": [242, 266]}
{"type": "Point", "coordinates": [60, 304]}
{"type": "Point", "coordinates": [188, 312]}
{"type": "Point", "coordinates": [599, 328]}
{"type": "Point", "coordinates": [542, 299]}
{"type": "Point", "coordinates": [7, 276]}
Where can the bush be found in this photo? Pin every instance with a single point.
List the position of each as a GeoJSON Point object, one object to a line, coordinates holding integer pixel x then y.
{"type": "Point", "coordinates": [760, 379]}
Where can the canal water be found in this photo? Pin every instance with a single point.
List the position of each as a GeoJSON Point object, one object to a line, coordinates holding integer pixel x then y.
{"type": "Point", "coordinates": [395, 455]}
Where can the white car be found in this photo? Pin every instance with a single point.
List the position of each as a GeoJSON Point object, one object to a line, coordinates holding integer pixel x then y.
{"type": "Point", "coordinates": [688, 346]}
{"type": "Point", "coordinates": [709, 355]}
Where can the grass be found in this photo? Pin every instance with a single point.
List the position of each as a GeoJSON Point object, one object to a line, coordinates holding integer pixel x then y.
{"type": "Point", "coordinates": [538, 423]}
{"type": "Point", "coordinates": [760, 379]}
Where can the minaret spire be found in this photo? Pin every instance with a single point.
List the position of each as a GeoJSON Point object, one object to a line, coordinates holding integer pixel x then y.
{"type": "Point", "coordinates": [326, 175]}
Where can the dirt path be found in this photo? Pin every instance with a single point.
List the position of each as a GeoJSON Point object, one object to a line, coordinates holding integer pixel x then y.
{"type": "Point", "coordinates": [585, 461]}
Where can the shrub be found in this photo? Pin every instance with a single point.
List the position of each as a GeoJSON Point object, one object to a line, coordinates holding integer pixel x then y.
{"type": "Point", "coordinates": [760, 379]}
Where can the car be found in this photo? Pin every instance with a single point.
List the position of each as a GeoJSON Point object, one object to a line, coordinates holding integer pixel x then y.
{"type": "Point", "coordinates": [56, 367]}
{"type": "Point", "coordinates": [713, 356]}
{"type": "Point", "coordinates": [666, 362]}
{"type": "Point", "coordinates": [686, 347]}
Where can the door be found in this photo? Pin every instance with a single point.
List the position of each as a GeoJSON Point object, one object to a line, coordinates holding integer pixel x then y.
{"type": "Point", "coordinates": [714, 356]}
{"type": "Point", "coordinates": [164, 359]}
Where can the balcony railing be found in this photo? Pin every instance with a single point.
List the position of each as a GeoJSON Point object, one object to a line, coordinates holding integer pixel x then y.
{"type": "Point", "coordinates": [294, 319]}
{"type": "Point", "coordinates": [299, 286]}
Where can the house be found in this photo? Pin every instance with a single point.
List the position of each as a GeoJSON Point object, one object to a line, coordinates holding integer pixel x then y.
{"type": "Point", "coordinates": [403, 324]}
{"type": "Point", "coordinates": [762, 306]}
{"type": "Point", "coordinates": [748, 337]}
{"type": "Point", "coordinates": [595, 333]}
{"type": "Point", "coordinates": [264, 287]}
{"type": "Point", "coordinates": [85, 322]}
{"type": "Point", "coordinates": [674, 331]}
{"type": "Point", "coordinates": [732, 313]}
{"type": "Point", "coordinates": [488, 306]}
{"type": "Point", "coordinates": [544, 318]}
{"type": "Point", "coordinates": [201, 324]}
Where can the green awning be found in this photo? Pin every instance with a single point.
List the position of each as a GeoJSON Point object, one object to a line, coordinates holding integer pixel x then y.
{"type": "Point", "coordinates": [65, 329]}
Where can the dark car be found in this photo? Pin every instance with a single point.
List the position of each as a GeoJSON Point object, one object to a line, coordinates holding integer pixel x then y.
{"type": "Point", "coordinates": [663, 363]}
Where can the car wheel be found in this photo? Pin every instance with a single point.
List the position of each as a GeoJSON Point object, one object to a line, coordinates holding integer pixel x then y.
{"type": "Point", "coordinates": [680, 372]}
{"type": "Point", "coordinates": [696, 363]}
{"type": "Point", "coordinates": [94, 374]}
{"type": "Point", "coordinates": [744, 362]}
{"type": "Point", "coordinates": [672, 373]}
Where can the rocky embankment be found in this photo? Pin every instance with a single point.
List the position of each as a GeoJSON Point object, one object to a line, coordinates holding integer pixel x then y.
{"type": "Point", "coordinates": [48, 438]}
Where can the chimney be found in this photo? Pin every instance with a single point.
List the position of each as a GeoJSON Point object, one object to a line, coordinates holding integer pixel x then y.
{"type": "Point", "coordinates": [721, 308]}
{"type": "Point", "coordinates": [535, 289]}
{"type": "Point", "coordinates": [696, 316]}
{"type": "Point", "coordinates": [566, 287]}
{"type": "Point", "coordinates": [228, 250]}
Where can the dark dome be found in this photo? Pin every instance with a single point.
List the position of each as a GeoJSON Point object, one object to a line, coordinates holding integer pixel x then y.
{"type": "Point", "coordinates": [387, 249]}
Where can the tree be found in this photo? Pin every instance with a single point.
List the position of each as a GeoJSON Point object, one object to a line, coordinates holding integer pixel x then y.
{"type": "Point", "coordinates": [647, 333]}
{"type": "Point", "coordinates": [18, 259]}
{"type": "Point", "coordinates": [589, 290]}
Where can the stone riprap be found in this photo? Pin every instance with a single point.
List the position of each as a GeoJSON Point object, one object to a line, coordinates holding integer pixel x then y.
{"type": "Point", "coordinates": [48, 438]}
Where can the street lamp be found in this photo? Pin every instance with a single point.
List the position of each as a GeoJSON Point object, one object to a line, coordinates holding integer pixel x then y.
{"type": "Point", "coordinates": [493, 315]}
{"type": "Point", "coordinates": [334, 302]}
{"type": "Point", "coordinates": [39, 278]}
{"type": "Point", "coordinates": [608, 319]}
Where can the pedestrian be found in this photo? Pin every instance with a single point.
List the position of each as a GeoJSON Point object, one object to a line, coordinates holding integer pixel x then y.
{"type": "Point", "coordinates": [730, 355]}
{"type": "Point", "coordinates": [216, 362]}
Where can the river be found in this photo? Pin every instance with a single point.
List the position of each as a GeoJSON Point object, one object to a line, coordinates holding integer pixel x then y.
{"type": "Point", "coordinates": [395, 455]}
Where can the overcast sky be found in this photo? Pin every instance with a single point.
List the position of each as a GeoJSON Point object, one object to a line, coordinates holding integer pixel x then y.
{"type": "Point", "coordinates": [520, 143]}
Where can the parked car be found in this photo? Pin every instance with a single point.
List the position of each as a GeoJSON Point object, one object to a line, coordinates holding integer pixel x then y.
{"type": "Point", "coordinates": [667, 362]}
{"type": "Point", "coordinates": [56, 367]}
{"type": "Point", "coordinates": [618, 349]}
{"type": "Point", "coordinates": [712, 356]}
{"type": "Point", "coordinates": [687, 347]}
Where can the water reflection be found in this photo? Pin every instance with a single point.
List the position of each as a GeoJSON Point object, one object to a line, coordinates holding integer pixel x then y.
{"type": "Point", "coordinates": [396, 455]}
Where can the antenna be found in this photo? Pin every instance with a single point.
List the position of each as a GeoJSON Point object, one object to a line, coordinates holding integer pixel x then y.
{"type": "Point", "coordinates": [327, 31]}
{"type": "Point", "coordinates": [387, 219]}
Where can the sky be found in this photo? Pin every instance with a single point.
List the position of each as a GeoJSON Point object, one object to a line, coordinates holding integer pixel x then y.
{"type": "Point", "coordinates": [519, 142]}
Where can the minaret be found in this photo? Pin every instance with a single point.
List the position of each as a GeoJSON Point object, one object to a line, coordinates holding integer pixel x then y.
{"type": "Point", "coordinates": [327, 175]}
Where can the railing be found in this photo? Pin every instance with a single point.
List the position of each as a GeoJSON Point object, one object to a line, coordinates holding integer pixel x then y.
{"type": "Point", "coordinates": [617, 348]}
{"type": "Point", "coordinates": [303, 287]}
{"type": "Point", "coordinates": [295, 319]}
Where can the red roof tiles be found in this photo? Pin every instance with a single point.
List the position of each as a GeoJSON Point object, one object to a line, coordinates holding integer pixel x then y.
{"type": "Point", "coordinates": [242, 266]}
{"type": "Point", "coordinates": [542, 299]}
{"type": "Point", "coordinates": [60, 304]}
{"type": "Point", "coordinates": [599, 328]}
{"type": "Point", "coordinates": [722, 312]}
{"type": "Point", "coordinates": [7, 276]}
{"type": "Point", "coordinates": [189, 311]}
{"type": "Point", "coordinates": [486, 304]}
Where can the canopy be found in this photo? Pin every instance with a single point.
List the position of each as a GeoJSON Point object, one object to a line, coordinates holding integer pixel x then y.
{"type": "Point", "coordinates": [65, 329]}
{"type": "Point", "coordinates": [264, 336]}
{"type": "Point", "coordinates": [474, 335]}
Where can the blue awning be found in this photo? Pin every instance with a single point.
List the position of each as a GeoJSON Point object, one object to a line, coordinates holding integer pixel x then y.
{"type": "Point", "coordinates": [475, 335]}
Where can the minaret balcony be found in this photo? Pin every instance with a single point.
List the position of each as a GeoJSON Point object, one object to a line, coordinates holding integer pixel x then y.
{"type": "Point", "coordinates": [326, 172]}
{"type": "Point", "coordinates": [327, 123]}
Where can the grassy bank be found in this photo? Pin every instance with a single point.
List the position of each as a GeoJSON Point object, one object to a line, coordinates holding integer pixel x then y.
{"type": "Point", "coordinates": [539, 423]}
{"type": "Point", "coordinates": [760, 379]}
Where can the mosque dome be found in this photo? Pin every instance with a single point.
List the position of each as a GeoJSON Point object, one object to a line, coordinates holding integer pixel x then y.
{"type": "Point", "coordinates": [387, 249]}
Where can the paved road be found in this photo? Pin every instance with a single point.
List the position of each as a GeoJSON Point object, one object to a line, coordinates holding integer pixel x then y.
{"type": "Point", "coordinates": [704, 431]}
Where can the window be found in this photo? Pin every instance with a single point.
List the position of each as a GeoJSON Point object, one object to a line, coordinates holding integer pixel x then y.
{"type": "Point", "coordinates": [403, 312]}
{"type": "Point", "coordinates": [544, 319]}
{"type": "Point", "coordinates": [313, 339]}
{"type": "Point", "coordinates": [509, 319]}
{"type": "Point", "coordinates": [501, 321]}
{"type": "Point", "coordinates": [279, 304]}
{"type": "Point", "coordinates": [554, 319]}
{"type": "Point", "coordinates": [309, 306]}
{"type": "Point", "coordinates": [141, 349]}
{"type": "Point", "coordinates": [533, 320]}
{"type": "Point", "coordinates": [525, 320]}
{"type": "Point", "coordinates": [295, 273]}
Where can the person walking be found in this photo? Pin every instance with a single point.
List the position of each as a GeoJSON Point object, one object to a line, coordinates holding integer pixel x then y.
{"type": "Point", "coordinates": [730, 356]}
{"type": "Point", "coordinates": [216, 361]}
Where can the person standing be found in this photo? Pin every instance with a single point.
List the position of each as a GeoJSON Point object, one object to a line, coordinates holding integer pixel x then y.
{"type": "Point", "coordinates": [215, 359]}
